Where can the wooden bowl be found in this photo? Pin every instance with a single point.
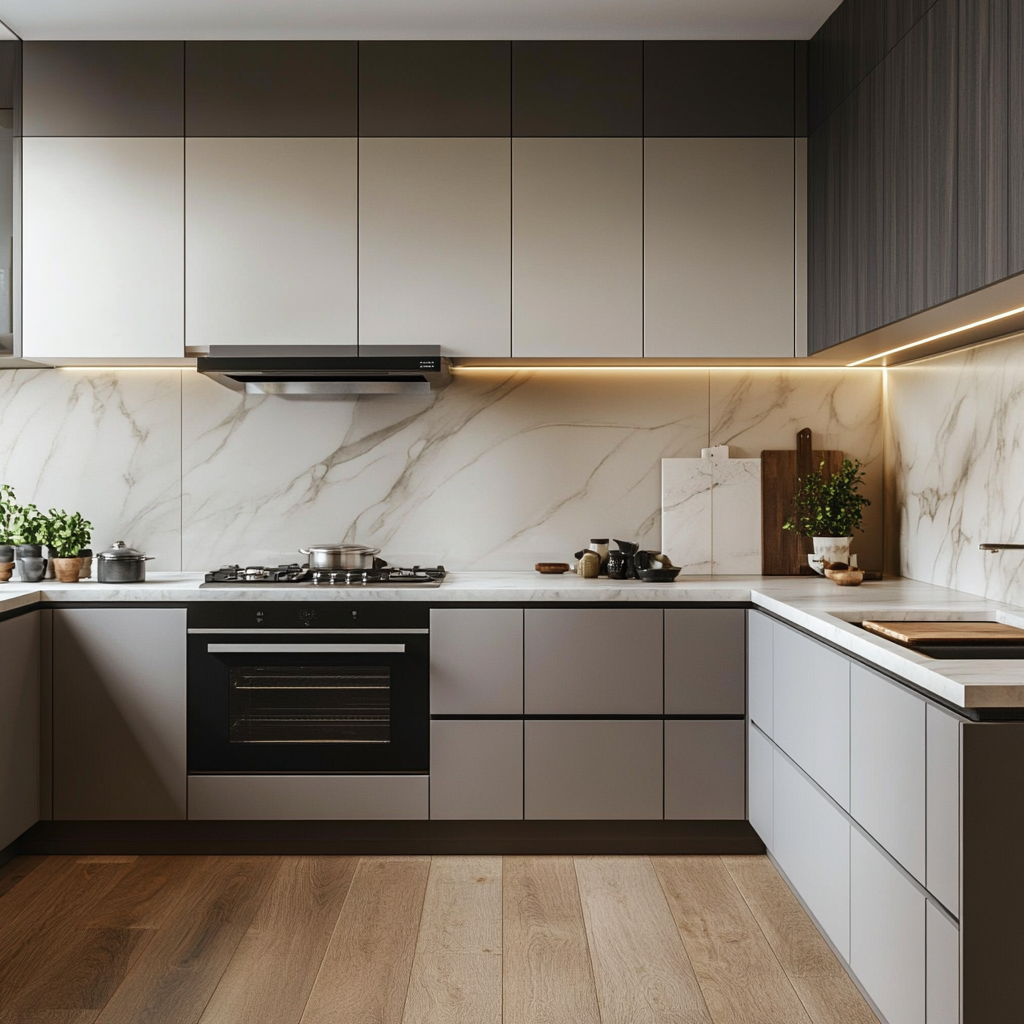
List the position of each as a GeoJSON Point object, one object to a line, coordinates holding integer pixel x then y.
{"type": "Point", "coordinates": [552, 568]}
{"type": "Point", "coordinates": [846, 577]}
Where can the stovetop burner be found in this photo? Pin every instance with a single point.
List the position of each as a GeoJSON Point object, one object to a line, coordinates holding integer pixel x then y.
{"type": "Point", "coordinates": [302, 576]}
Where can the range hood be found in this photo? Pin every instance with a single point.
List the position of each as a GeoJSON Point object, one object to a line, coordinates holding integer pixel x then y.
{"type": "Point", "coordinates": [318, 370]}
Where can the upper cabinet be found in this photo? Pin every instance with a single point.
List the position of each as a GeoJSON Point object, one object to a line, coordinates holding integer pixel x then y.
{"type": "Point", "coordinates": [572, 89]}
{"type": "Point", "coordinates": [435, 246]}
{"type": "Point", "coordinates": [719, 247]}
{"type": "Point", "coordinates": [577, 224]}
{"type": "Point", "coordinates": [435, 89]}
{"type": "Point", "coordinates": [721, 89]}
{"type": "Point", "coordinates": [103, 249]}
{"type": "Point", "coordinates": [242, 193]}
{"type": "Point", "coordinates": [268, 89]}
{"type": "Point", "coordinates": [103, 88]}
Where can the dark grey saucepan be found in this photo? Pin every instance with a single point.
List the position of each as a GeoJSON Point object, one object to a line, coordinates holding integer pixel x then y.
{"type": "Point", "coordinates": [121, 564]}
{"type": "Point", "coordinates": [340, 556]}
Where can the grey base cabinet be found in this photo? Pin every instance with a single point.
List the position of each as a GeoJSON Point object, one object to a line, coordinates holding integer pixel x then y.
{"type": "Point", "coordinates": [593, 769]}
{"type": "Point", "coordinates": [760, 784]}
{"type": "Point", "coordinates": [705, 770]}
{"type": "Point", "coordinates": [119, 714]}
{"type": "Point", "coordinates": [942, 982]}
{"type": "Point", "coordinates": [19, 726]}
{"type": "Point", "coordinates": [476, 769]}
{"type": "Point", "coordinates": [760, 672]}
{"type": "Point", "coordinates": [705, 661]}
{"type": "Point", "coordinates": [887, 933]}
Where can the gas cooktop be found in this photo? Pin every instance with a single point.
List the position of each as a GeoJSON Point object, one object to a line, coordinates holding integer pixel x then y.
{"type": "Point", "coordinates": [296, 575]}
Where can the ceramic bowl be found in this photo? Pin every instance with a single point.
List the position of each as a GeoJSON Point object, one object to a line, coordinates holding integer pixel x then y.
{"type": "Point", "coordinates": [661, 575]}
{"type": "Point", "coordinates": [846, 577]}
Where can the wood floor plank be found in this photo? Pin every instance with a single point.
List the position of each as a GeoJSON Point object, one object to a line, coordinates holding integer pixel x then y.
{"type": "Point", "coordinates": [58, 1017]}
{"type": "Point", "coordinates": [102, 947]}
{"type": "Point", "coordinates": [269, 978]}
{"type": "Point", "coordinates": [739, 974]}
{"type": "Point", "coordinates": [173, 979]}
{"type": "Point", "coordinates": [641, 969]}
{"type": "Point", "coordinates": [365, 973]}
{"type": "Point", "coordinates": [456, 970]}
{"type": "Point", "coordinates": [14, 871]}
{"type": "Point", "coordinates": [547, 974]}
{"type": "Point", "coordinates": [819, 978]}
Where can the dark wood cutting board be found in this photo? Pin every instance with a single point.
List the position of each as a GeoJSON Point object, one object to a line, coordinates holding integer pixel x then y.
{"type": "Point", "coordinates": [784, 552]}
{"type": "Point", "coordinates": [912, 633]}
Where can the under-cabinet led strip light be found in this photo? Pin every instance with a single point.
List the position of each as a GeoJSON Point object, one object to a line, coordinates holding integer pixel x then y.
{"type": "Point", "coordinates": [937, 337]}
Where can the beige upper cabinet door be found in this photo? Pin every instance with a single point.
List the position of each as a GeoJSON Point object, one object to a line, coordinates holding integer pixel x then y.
{"type": "Point", "coordinates": [435, 246]}
{"type": "Point", "coordinates": [270, 229]}
{"type": "Point", "coordinates": [719, 248]}
{"type": "Point", "coordinates": [103, 249]}
{"type": "Point", "coordinates": [577, 230]}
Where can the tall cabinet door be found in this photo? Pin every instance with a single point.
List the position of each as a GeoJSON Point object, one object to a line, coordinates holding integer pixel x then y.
{"type": "Point", "coordinates": [719, 247]}
{"type": "Point", "coordinates": [119, 714]}
{"type": "Point", "coordinates": [19, 726]}
{"type": "Point", "coordinates": [577, 227]}
{"type": "Point", "coordinates": [103, 248]}
{"type": "Point", "coordinates": [435, 244]}
{"type": "Point", "coordinates": [270, 234]}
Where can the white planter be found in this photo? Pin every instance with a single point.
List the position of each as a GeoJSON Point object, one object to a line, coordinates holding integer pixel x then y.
{"type": "Point", "coordinates": [829, 549]}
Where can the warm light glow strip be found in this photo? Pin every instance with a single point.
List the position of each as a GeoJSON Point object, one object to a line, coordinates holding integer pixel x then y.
{"type": "Point", "coordinates": [944, 334]}
{"type": "Point", "coordinates": [569, 368]}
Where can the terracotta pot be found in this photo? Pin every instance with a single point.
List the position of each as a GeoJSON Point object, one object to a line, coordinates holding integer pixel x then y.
{"type": "Point", "coordinates": [67, 569]}
{"type": "Point", "coordinates": [6, 568]}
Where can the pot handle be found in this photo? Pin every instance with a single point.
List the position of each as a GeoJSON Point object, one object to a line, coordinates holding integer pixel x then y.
{"type": "Point", "coordinates": [304, 551]}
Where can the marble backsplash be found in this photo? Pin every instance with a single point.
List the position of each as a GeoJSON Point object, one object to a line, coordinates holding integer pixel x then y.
{"type": "Point", "coordinates": [955, 469]}
{"type": "Point", "coordinates": [500, 470]}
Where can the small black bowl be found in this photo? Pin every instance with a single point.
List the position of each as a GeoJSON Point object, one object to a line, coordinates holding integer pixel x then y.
{"type": "Point", "coordinates": [661, 575]}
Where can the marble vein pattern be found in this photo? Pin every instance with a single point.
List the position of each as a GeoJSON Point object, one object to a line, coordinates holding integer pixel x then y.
{"type": "Point", "coordinates": [103, 443]}
{"type": "Point", "coordinates": [956, 468]}
{"type": "Point", "coordinates": [763, 408]}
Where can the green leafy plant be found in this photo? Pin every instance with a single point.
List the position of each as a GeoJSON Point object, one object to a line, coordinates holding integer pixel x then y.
{"type": "Point", "coordinates": [829, 506]}
{"type": "Point", "coordinates": [67, 533]}
{"type": "Point", "coordinates": [8, 506]}
{"type": "Point", "coordinates": [27, 525]}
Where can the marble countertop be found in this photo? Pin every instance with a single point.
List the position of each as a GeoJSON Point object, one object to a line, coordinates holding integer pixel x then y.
{"type": "Point", "coordinates": [815, 605]}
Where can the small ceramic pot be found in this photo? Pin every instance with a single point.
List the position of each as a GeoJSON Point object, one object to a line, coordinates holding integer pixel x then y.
{"type": "Point", "coordinates": [23, 551]}
{"type": "Point", "coordinates": [67, 569]}
{"type": "Point", "coordinates": [86, 571]}
{"type": "Point", "coordinates": [830, 549]}
{"type": "Point", "coordinates": [6, 568]}
{"type": "Point", "coordinates": [31, 569]}
{"type": "Point", "coordinates": [6, 553]}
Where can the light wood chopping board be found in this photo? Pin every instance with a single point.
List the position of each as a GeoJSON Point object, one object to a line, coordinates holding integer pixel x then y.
{"type": "Point", "coordinates": [912, 633]}
{"type": "Point", "coordinates": [784, 552]}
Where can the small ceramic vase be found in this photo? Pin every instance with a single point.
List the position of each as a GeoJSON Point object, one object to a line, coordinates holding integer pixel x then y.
{"type": "Point", "coordinates": [67, 569]}
{"type": "Point", "coordinates": [32, 568]}
{"type": "Point", "coordinates": [6, 568]}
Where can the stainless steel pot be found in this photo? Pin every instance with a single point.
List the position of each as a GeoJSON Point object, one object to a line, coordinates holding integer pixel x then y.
{"type": "Point", "coordinates": [341, 556]}
{"type": "Point", "coordinates": [121, 564]}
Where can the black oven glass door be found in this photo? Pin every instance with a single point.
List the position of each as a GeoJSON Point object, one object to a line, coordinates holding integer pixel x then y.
{"type": "Point", "coordinates": [277, 706]}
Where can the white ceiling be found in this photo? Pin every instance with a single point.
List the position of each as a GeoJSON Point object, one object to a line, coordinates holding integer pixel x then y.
{"type": "Point", "coordinates": [415, 19]}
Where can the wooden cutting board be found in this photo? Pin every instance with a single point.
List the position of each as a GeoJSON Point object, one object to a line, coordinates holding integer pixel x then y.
{"type": "Point", "coordinates": [784, 552]}
{"type": "Point", "coordinates": [911, 633]}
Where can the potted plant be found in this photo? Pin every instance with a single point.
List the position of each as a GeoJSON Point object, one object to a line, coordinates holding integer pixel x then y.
{"type": "Point", "coordinates": [28, 534]}
{"type": "Point", "coordinates": [8, 504]}
{"type": "Point", "coordinates": [67, 533]}
{"type": "Point", "coordinates": [828, 509]}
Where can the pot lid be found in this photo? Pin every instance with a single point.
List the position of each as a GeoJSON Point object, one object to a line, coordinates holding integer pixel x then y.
{"type": "Point", "coordinates": [346, 548]}
{"type": "Point", "coordinates": [121, 550]}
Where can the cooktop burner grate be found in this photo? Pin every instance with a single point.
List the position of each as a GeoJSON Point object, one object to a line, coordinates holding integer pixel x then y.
{"type": "Point", "coordinates": [302, 575]}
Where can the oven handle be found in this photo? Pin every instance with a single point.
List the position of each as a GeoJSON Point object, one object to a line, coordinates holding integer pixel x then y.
{"type": "Point", "coordinates": [306, 648]}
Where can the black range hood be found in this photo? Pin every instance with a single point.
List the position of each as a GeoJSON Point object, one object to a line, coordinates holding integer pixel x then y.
{"type": "Point", "coordinates": [312, 371]}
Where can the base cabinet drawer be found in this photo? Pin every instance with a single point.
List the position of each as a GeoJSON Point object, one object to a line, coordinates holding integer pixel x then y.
{"type": "Point", "coordinates": [705, 768]}
{"type": "Point", "coordinates": [760, 773]}
{"type": "Point", "coordinates": [593, 769]}
{"type": "Point", "coordinates": [307, 797]}
{"type": "Point", "coordinates": [705, 661]}
{"type": "Point", "coordinates": [811, 842]}
{"type": "Point", "coordinates": [760, 671]}
{"type": "Point", "coordinates": [942, 987]}
{"type": "Point", "coordinates": [887, 934]}
{"type": "Point", "coordinates": [476, 769]}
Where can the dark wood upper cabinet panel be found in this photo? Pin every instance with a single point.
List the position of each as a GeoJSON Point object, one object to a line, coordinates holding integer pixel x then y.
{"type": "Point", "coordinates": [719, 89]}
{"type": "Point", "coordinates": [446, 89]}
{"type": "Point", "coordinates": [901, 16]}
{"type": "Point", "coordinates": [921, 165]}
{"type": "Point", "coordinates": [1015, 134]}
{"type": "Point", "coordinates": [823, 254]}
{"type": "Point", "coordinates": [825, 55]}
{"type": "Point", "coordinates": [982, 148]}
{"type": "Point", "coordinates": [271, 89]}
{"type": "Point", "coordinates": [587, 89]}
{"type": "Point", "coordinates": [104, 88]}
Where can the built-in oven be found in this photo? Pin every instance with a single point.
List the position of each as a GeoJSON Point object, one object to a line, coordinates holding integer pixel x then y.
{"type": "Point", "coordinates": [324, 687]}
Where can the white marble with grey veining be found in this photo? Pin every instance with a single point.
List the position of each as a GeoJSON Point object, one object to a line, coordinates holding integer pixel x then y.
{"type": "Point", "coordinates": [103, 443]}
{"type": "Point", "coordinates": [686, 531]}
{"type": "Point", "coordinates": [815, 605]}
{"type": "Point", "coordinates": [956, 468]}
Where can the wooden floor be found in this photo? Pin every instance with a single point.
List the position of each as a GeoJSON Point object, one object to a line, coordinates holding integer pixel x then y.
{"type": "Point", "coordinates": [412, 940]}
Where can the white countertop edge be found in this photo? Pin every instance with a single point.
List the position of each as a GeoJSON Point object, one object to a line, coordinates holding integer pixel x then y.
{"type": "Point", "coordinates": [816, 606]}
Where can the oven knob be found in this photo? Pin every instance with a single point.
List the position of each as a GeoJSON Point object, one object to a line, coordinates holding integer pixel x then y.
{"type": "Point", "coordinates": [259, 618]}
